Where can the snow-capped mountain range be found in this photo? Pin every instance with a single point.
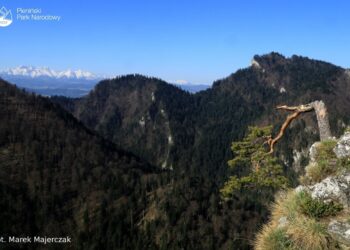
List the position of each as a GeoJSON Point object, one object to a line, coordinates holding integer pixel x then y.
{"type": "Point", "coordinates": [46, 81]}
{"type": "Point", "coordinates": [33, 72]}
{"type": "Point", "coordinates": [72, 83]}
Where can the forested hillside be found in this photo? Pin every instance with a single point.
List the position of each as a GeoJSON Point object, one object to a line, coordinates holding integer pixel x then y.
{"type": "Point", "coordinates": [58, 178]}
{"type": "Point", "coordinates": [172, 128]}
{"type": "Point", "coordinates": [70, 165]}
{"type": "Point", "coordinates": [192, 135]}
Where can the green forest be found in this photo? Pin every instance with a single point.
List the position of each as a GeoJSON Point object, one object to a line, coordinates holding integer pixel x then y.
{"type": "Point", "coordinates": [141, 164]}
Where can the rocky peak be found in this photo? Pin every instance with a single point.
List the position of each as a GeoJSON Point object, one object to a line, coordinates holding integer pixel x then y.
{"type": "Point", "coordinates": [268, 60]}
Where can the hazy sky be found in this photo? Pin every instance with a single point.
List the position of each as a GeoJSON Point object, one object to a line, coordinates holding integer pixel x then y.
{"type": "Point", "coordinates": [198, 41]}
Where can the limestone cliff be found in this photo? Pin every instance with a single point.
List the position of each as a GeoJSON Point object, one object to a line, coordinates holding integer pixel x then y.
{"type": "Point", "coordinates": [316, 214]}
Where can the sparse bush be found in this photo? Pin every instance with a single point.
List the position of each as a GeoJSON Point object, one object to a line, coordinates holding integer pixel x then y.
{"type": "Point", "coordinates": [326, 162]}
{"type": "Point", "coordinates": [273, 239]}
{"type": "Point", "coordinates": [344, 163]}
{"type": "Point", "coordinates": [316, 208]}
{"type": "Point", "coordinates": [325, 150]}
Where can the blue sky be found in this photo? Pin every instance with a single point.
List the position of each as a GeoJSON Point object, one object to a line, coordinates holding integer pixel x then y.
{"type": "Point", "coordinates": [194, 40]}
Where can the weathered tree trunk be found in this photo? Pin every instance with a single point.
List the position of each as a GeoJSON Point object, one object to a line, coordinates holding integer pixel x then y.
{"type": "Point", "coordinates": [322, 119]}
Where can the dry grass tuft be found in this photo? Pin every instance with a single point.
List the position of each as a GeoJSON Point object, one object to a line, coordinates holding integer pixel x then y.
{"type": "Point", "coordinates": [285, 206]}
{"type": "Point", "coordinates": [307, 233]}
{"type": "Point", "coordinates": [272, 238]}
{"type": "Point", "coordinates": [300, 231]}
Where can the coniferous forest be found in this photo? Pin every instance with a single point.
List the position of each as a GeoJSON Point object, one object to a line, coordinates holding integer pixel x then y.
{"type": "Point", "coordinates": [139, 163]}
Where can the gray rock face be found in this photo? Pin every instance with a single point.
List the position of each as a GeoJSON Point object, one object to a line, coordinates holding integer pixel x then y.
{"type": "Point", "coordinates": [342, 149]}
{"type": "Point", "coordinates": [333, 188]}
{"type": "Point", "coordinates": [340, 231]}
{"type": "Point", "coordinates": [313, 151]}
{"type": "Point", "coordinates": [301, 188]}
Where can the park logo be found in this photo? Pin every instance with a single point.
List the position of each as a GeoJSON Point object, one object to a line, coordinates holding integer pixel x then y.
{"type": "Point", "coordinates": [5, 17]}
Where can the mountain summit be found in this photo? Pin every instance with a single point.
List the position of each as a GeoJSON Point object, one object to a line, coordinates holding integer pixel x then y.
{"type": "Point", "coordinates": [132, 108]}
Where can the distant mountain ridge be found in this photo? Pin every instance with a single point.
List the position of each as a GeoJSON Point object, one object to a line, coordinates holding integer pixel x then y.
{"type": "Point", "coordinates": [49, 82]}
{"type": "Point", "coordinates": [33, 72]}
{"type": "Point", "coordinates": [193, 88]}
{"type": "Point", "coordinates": [69, 83]}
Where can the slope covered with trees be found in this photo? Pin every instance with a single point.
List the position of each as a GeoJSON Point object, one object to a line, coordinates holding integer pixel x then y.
{"type": "Point", "coordinates": [191, 134]}
{"type": "Point", "coordinates": [186, 211]}
{"type": "Point", "coordinates": [58, 178]}
{"type": "Point", "coordinates": [142, 113]}
{"type": "Point", "coordinates": [187, 135]}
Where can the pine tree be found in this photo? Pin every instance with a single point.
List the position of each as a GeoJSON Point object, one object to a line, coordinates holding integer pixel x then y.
{"type": "Point", "coordinates": [252, 166]}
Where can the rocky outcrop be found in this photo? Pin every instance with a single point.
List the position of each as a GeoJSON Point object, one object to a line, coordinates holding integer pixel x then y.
{"type": "Point", "coordinates": [342, 149]}
{"type": "Point", "coordinates": [313, 151]}
{"type": "Point", "coordinates": [255, 64]}
{"type": "Point", "coordinates": [340, 230]}
{"type": "Point", "coordinates": [333, 188]}
{"type": "Point", "coordinates": [323, 201]}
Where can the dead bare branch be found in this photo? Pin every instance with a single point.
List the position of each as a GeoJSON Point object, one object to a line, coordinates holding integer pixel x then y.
{"type": "Point", "coordinates": [322, 119]}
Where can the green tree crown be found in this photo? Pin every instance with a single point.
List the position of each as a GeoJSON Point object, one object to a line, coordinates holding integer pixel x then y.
{"type": "Point", "coordinates": [252, 166]}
